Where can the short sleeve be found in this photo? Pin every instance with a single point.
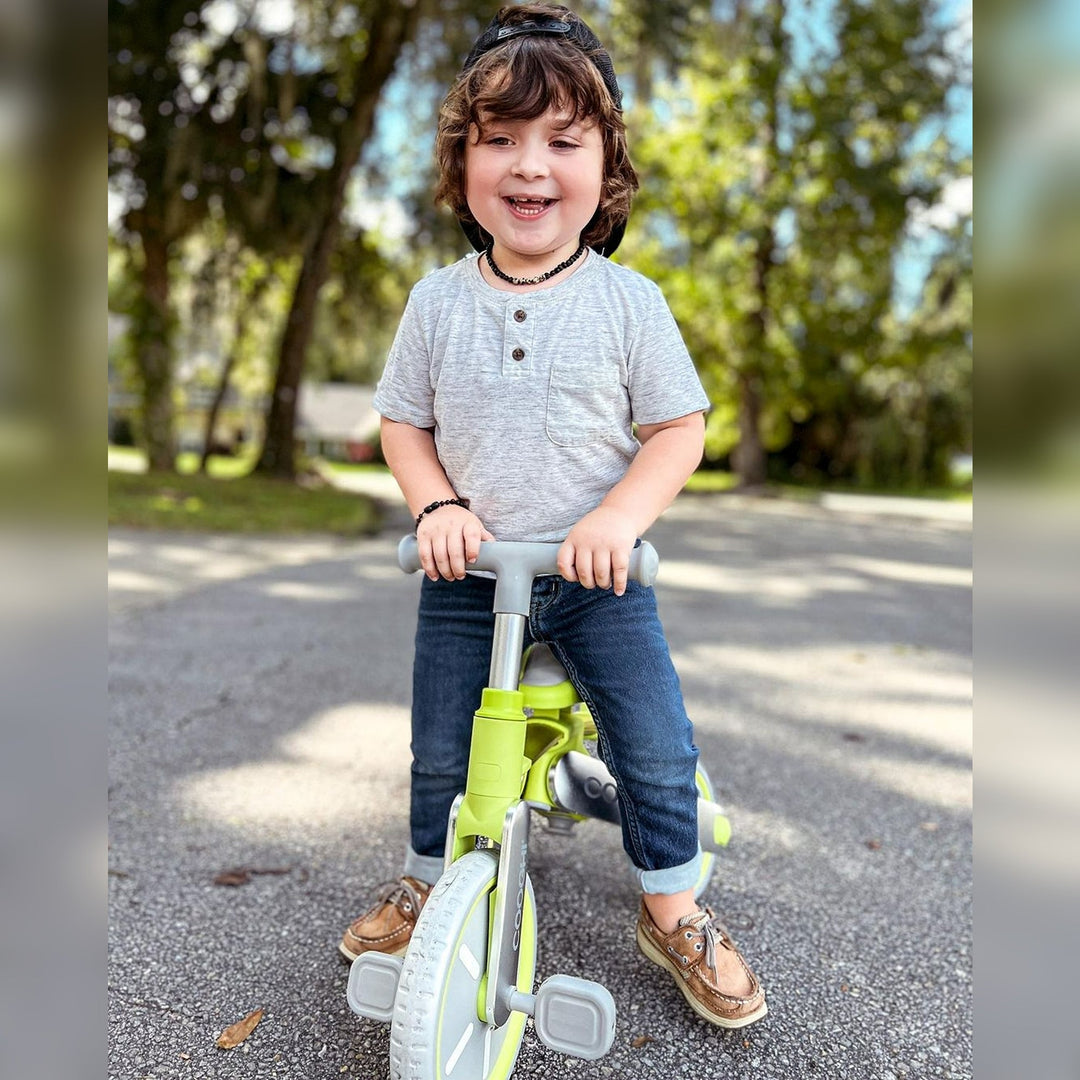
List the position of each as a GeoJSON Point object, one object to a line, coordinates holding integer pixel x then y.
{"type": "Point", "coordinates": [405, 392]}
{"type": "Point", "coordinates": [662, 381]}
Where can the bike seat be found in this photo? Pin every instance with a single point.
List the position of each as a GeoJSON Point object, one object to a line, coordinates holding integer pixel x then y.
{"type": "Point", "coordinates": [544, 683]}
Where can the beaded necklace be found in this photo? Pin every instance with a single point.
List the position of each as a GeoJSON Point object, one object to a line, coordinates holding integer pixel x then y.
{"type": "Point", "coordinates": [531, 280]}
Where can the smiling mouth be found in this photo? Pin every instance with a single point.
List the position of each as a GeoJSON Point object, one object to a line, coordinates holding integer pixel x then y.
{"type": "Point", "coordinates": [529, 207]}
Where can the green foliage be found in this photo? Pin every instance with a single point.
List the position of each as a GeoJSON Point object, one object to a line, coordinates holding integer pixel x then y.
{"type": "Point", "coordinates": [212, 107]}
{"type": "Point", "coordinates": [359, 311]}
{"type": "Point", "coordinates": [231, 301]}
{"type": "Point", "coordinates": [781, 190]}
{"type": "Point", "coordinates": [779, 199]}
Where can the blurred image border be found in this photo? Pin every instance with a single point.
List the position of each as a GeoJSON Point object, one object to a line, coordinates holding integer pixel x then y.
{"type": "Point", "coordinates": [52, 648]}
{"type": "Point", "coordinates": [1027, 517]}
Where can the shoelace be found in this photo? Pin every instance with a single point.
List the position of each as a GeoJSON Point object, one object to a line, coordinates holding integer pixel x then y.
{"type": "Point", "coordinates": [715, 933]}
{"type": "Point", "coordinates": [394, 891]}
{"type": "Point", "coordinates": [703, 923]}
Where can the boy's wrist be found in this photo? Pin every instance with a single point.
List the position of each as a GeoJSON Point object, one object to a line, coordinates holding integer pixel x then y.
{"type": "Point", "coordinates": [627, 513]}
{"type": "Point", "coordinates": [463, 503]}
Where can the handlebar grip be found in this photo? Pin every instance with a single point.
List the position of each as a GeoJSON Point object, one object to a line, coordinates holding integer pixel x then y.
{"type": "Point", "coordinates": [531, 560]}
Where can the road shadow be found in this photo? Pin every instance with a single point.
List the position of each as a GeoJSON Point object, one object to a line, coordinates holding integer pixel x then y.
{"type": "Point", "coordinates": [260, 721]}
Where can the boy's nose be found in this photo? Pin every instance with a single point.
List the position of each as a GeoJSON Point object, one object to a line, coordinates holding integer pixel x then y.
{"type": "Point", "coordinates": [530, 162]}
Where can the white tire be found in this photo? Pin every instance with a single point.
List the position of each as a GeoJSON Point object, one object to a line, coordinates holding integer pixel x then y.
{"type": "Point", "coordinates": [436, 1033]}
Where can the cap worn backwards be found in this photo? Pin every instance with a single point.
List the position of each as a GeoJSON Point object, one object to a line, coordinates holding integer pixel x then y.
{"type": "Point", "coordinates": [574, 30]}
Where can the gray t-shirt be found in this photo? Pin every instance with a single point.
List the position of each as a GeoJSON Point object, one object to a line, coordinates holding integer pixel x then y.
{"type": "Point", "coordinates": [533, 395]}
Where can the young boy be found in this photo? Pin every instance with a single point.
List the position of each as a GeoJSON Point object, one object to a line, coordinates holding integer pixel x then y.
{"type": "Point", "coordinates": [508, 404]}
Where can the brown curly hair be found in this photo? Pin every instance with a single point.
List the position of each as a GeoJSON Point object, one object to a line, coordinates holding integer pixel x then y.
{"type": "Point", "coordinates": [521, 80]}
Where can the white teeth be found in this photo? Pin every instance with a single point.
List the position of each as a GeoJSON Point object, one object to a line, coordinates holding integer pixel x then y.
{"type": "Point", "coordinates": [528, 206]}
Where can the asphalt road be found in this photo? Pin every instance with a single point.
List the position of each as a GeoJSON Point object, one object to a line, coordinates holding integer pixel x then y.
{"type": "Point", "coordinates": [259, 719]}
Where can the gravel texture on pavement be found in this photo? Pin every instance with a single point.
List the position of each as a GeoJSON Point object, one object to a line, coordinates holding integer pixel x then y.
{"type": "Point", "coordinates": [259, 720]}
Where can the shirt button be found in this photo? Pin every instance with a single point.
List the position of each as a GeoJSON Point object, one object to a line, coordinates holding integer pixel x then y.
{"type": "Point", "coordinates": [518, 354]}
{"type": "Point", "coordinates": [519, 315]}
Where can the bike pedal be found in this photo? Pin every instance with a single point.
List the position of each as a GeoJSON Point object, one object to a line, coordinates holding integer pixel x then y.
{"type": "Point", "coordinates": [373, 982]}
{"type": "Point", "coordinates": [575, 1016]}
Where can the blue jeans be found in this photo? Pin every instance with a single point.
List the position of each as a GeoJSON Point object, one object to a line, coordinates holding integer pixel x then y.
{"type": "Point", "coordinates": [614, 650]}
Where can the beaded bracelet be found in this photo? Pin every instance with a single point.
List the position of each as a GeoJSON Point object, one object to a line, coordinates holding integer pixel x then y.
{"type": "Point", "coordinates": [435, 506]}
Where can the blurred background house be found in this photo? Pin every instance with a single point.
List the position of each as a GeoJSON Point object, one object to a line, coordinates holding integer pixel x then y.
{"type": "Point", "coordinates": [334, 421]}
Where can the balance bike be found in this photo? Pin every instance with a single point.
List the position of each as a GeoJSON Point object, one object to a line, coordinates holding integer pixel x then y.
{"type": "Point", "coordinates": [458, 1000]}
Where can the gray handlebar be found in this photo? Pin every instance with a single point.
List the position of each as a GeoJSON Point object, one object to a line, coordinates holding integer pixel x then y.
{"type": "Point", "coordinates": [516, 564]}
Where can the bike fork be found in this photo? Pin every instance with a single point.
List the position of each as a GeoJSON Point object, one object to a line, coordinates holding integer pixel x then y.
{"type": "Point", "coordinates": [509, 905]}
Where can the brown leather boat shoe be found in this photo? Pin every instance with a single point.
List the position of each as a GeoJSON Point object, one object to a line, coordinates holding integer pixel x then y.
{"type": "Point", "coordinates": [690, 955]}
{"type": "Point", "coordinates": [388, 925]}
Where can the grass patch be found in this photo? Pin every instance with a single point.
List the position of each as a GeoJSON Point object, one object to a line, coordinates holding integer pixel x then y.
{"type": "Point", "coordinates": [351, 468]}
{"type": "Point", "coordinates": [709, 480]}
{"type": "Point", "coordinates": [232, 500]}
{"type": "Point", "coordinates": [220, 467]}
{"type": "Point", "coordinates": [248, 504]}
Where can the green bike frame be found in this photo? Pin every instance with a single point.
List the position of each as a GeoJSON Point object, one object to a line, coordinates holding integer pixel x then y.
{"type": "Point", "coordinates": [511, 755]}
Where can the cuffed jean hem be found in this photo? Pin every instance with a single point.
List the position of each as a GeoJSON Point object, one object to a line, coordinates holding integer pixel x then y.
{"type": "Point", "coordinates": [425, 868]}
{"type": "Point", "coordinates": [673, 879]}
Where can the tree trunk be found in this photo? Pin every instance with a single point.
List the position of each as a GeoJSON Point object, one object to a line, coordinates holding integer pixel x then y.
{"type": "Point", "coordinates": [151, 331]}
{"type": "Point", "coordinates": [393, 27]}
{"type": "Point", "coordinates": [748, 458]}
{"type": "Point", "coordinates": [245, 306]}
{"type": "Point", "coordinates": [215, 405]}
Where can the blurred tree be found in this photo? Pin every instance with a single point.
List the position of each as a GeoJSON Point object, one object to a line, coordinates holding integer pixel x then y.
{"type": "Point", "coordinates": [241, 280]}
{"type": "Point", "coordinates": [201, 120]}
{"type": "Point", "coordinates": [230, 304]}
{"type": "Point", "coordinates": [716, 182]}
{"type": "Point", "coordinates": [646, 40]}
{"type": "Point", "coordinates": [265, 115]}
{"type": "Point", "coordinates": [358, 311]}
{"type": "Point", "coordinates": [873, 154]}
{"type": "Point", "coordinates": [779, 198]}
{"type": "Point", "coordinates": [147, 148]}
{"type": "Point", "coordinates": [362, 60]}
{"type": "Point", "coordinates": [927, 397]}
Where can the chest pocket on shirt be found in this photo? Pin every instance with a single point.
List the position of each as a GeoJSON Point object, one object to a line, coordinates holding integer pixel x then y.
{"type": "Point", "coordinates": [583, 405]}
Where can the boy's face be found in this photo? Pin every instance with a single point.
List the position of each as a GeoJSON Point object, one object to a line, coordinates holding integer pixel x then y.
{"type": "Point", "coordinates": [534, 184]}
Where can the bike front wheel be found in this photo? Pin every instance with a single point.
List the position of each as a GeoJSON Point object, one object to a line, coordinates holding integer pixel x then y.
{"type": "Point", "coordinates": [436, 1033]}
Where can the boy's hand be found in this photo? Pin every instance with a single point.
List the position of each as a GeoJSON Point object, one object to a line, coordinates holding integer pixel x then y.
{"type": "Point", "coordinates": [448, 539]}
{"type": "Point", "coordinates": [597, 551]}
